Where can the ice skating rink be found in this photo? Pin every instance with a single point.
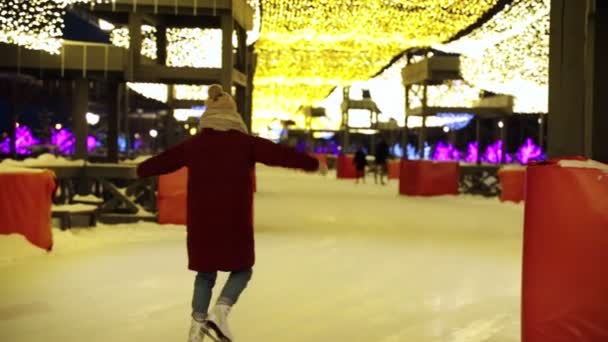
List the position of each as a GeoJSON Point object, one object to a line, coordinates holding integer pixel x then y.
{"type": "Point", "coordinates": [335, 262]}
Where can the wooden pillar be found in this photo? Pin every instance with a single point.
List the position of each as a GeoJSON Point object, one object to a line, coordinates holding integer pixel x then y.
{"type": "Point", "coordinates": [478, 138]}
{"type": "Point", "coordinates": [405, 137]}
{"type": "Point", "coordinates": [169, 119]}
{"type": "Point", "coordinates": [114, 98]}
{"type": "Point", "coordinates": [161, 44]}
{"type": "Point", "coordinates": [577, 77]}
{"type": "Point", "coordinates": [126, 104]}
{"type": "Point", "coordinates": [598, 111]}
{"type": "Point", "coordinates": [250, 71]}
{"type": "Point", "coordinates": [227, 25]}
{"type": "Point", "coordinates": [422, 136]}
{"type": "Point", "coordinates": [345, 128]}
{"type": "Point", "coordinates": [135, 42]}
{"type": "Point", "coordinates": [80, 106]}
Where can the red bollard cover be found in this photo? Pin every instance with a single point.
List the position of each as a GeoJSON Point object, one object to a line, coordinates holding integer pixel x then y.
{"type": "Point", "coordinates": [345, 167]}
{"type": "Point", "coordinates": [565, 283]}
{"type": "Point", "coordinates": [512, 184]}
{"type": "Point", "coordinates": [428, 178]}
{"type": "Point", "coordinates": [172, 196]}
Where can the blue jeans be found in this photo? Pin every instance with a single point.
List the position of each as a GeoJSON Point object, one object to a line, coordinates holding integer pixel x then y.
{"type": "Point", "coordinates": [203, 286]}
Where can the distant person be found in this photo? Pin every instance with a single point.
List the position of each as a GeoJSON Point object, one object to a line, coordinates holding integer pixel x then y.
{"type": "Point", "coordinates": [220, 161]}
{"type": "Point", "coordinates": [360, 162]}
{"type": "Point", "coordinates": [381, 161]}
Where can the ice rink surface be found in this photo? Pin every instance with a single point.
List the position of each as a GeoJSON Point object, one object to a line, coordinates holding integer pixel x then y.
{"type": "Point", "coordinates": [335, 262]}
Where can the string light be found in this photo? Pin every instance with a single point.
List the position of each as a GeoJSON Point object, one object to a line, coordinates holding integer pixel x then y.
{"type": "Point", "coordinates": [509, 54]}
{"type": "Point", "coordinates": [342, 41]}
{"type": "Point", "coordinates": [35, 24]}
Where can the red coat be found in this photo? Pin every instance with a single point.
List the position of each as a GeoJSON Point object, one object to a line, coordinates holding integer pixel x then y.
{"type": "Point", "coordinates": [220, 192]}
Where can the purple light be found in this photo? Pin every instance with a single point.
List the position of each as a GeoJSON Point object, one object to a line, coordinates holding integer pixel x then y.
{"type": "Point", "coordinates": [493, 154]}
{"type": "Point", "coordinates": [91, 143]}
{"type": "Point", "coordinates": [25, 139]}
{"type": "Point", "coordinates": [65, 141]}
{"type": "Point", "coordinates": [529, 151]}
{"type": "Point", "coordinates": [446, 152]}
{"type": "Point", "coordinates": [472, 152]}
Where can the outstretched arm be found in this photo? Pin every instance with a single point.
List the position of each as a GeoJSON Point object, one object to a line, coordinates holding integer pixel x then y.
{"type": "Point", "coordinates": [168, 161]}
{"type": "Point", "coordinates": [272, 154]}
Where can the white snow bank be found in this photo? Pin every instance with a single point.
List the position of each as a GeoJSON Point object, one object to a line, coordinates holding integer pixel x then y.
{"type": "Point", "coordinates": [44, 160]}
{"type": "Point", "coordinates": [7, 168]}
{"type": "Point", "coordinates": [137, 160]}
{"type": "Point", "coordinates": [15, 248]}
{"type": "Point", "coordinates": [586, 164]}
{"type": "Point", "coordinates": [88, 198]}
{"type": "Point", "coordinates": [73, 208]}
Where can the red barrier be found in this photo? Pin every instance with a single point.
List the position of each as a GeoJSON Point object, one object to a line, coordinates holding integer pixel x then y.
{"type": "Point", "coordinates": [345, 167]}
{"type": "Point", "coordinates": [565, 284]}
{"type": "Point", "coordinates": [428, 178]}
{"type": "Point", "coordinates": [25, 205]}
{"type": "Point", "coordinates": [172, 197]}
{"type": "Point", "coordinates": [512, 184]}
{"type": "Point", "coordinates": [394, 169]}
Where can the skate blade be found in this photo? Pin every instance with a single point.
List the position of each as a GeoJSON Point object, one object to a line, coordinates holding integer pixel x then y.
{"type": "Point", "coordinates": [213, 338]}
{"type": "Point", "coordinates": [220, 337]}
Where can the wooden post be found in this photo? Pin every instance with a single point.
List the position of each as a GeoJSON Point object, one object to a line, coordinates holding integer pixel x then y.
{"type": "Point", "coordinates": [478, 138]}
{"type": "Point", "coordinates": [345, 127]}
{"type": "Point", "coordinates": [248, 111]}
{"type": "Point", "coordinates": [405, 138]}
{"type": "Point", "coordinates": [598, 113]}
{"type": "Point", "coordinates": [126, 110]}
{"type": "Point", "coordinates": [578, 76]}
{"type": "Point", "coordinates": [135, 42]}
{"type": "Point", "coordinates": [114, 98]}
{"type": "Point", "coordinates": [12, 132]}
{"type": "Point", "coordinates": [161, 44]}
{"type": "Point", "coordinates": [80, 106]}
{"type": "Point", "coordinates": [227, 25]}
{"type": "Point", "coordinates": [422, 136]}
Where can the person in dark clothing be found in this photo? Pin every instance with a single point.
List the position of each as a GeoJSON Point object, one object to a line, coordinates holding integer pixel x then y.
{"type": "Point", "coordinates": [360, 162]}
{"type": "Point", "coordinates": [381, 162]}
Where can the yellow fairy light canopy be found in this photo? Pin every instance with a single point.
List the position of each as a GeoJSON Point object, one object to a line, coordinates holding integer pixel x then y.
{"type": "Point", "coordinates": [509, 54]}
{"type": "Point", "coordinates": [343, 41]}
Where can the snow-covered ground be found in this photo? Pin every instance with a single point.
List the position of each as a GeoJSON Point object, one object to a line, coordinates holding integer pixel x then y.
{"type": "Point", "coordinates": [335, 262]}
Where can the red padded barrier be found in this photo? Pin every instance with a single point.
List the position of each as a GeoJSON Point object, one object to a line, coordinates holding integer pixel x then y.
{"type": "Point", "coordinates": [345, 166]}
{"type": "Point", "coordinates": [565, 283]}
{"type": "Point", "coordinates": [394, 169]}
{"type": "Point", "coordinates": [428, 178]}
{"type": "Point", "coordinates": [25, 205]}
{"type": "Point", "coordinates": [172, 197]}
{"type": "Point", "coordinates": [512, 184]}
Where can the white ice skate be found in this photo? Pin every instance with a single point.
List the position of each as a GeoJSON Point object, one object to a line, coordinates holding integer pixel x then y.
{"type": "Point", "coordinates": [218, 322]}
{"type": "Point", "coordinates": [198, 331]}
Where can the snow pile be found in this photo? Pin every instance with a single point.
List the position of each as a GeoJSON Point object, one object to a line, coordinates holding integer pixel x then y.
{"type": "Point", "coordinates": [585, 164]}
{"type": "Point", "coordinates": [14, 249]}
{"type": "Point", "coordinates": [44, 160]}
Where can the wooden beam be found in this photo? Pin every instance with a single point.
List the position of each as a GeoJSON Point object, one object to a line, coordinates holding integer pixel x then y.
{"type": "Point", "coordinates": [599, 142]}
{"type": "Point", "coordinates": [177, 75]}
